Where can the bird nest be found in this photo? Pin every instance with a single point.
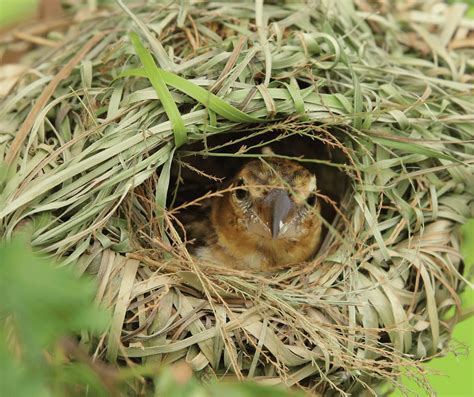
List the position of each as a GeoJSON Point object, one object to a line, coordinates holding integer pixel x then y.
{"type": "Point", "coordinates": [107, 146]}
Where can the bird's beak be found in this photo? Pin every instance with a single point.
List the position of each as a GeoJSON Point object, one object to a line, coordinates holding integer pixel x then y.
{"type": "Point", "coordinates": [280, 205]}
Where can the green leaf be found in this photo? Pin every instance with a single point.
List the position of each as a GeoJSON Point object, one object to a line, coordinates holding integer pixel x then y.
{"type": "Point", "coordinates": [470, 12]}
{"type": "Point", "coordinates": [155, 75]}
{"type": "Point", "coordinates": [201, 95]}
{"type": "Point", "coordinates": [467, 243]}
{"type": "Point", "coordinates": [34, 291]}
{"type": "Point", "coordinates": [40, 305]}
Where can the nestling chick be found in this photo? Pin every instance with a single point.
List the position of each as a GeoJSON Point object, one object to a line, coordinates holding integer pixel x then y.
{"type": "Point", "coordinates": [270, 217]}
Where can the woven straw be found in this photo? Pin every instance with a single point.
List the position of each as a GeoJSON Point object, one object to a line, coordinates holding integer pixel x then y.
{"type": "Point", "coordinates": [383, 100]}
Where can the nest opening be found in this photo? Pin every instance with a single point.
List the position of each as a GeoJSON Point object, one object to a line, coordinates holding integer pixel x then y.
{"type": "Point", "coordinates": [201, 168]}
{"type": "Point", "coordinates": [219, 157]}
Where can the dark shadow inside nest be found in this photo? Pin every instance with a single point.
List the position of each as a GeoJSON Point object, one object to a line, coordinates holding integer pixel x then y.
{"type": "Point", "coordinates": [207, 165]}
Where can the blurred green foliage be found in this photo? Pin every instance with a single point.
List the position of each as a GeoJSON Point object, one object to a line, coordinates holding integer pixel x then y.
{"type": "Point", "coordinates": [470, 3]}
{"type": "Point", "coordinates": [12, 11]}
{"type": "Point", "coordinates": [467, 246]}
{"type": "Point", "coordinates": [42, 304]}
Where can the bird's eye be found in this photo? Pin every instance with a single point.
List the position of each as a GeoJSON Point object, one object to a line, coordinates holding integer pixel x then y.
{"type": "Point", "coordinates": [311, 200]}
{"type": "Point", "coordinates": [241, 193]}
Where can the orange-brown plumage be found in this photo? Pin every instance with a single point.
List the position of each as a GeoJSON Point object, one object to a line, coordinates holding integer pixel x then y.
{"type": "Point", "coordinates": [270, 217]}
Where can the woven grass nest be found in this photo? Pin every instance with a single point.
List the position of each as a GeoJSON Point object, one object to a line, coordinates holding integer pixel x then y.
{"type": "Point", "coordinates": [379, 105]}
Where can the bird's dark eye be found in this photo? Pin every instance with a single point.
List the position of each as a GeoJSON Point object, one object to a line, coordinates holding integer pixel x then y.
{"type": "Point", "coordinates": [311, 200]}
{"type": "Point", "coordinates": [241, 193]}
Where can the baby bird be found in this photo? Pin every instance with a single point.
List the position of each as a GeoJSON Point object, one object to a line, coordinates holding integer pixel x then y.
{"type": "Point", "coordinates": [269, 217]}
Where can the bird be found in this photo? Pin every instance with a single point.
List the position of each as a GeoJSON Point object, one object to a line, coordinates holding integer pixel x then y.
{"type": "Point", "coordinates": [267, 217]}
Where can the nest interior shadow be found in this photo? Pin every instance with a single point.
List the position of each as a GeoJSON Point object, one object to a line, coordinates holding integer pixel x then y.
{"type": "Point", "coordinates": [205, 166]}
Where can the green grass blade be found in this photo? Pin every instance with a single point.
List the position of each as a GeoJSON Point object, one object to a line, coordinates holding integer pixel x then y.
{"type": "Point", "coordinates": [201, 95]}
{"type": "Point", "coordinates": [155, 75]}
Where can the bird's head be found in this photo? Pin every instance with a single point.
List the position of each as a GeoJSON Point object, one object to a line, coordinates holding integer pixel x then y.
{"type": "Point", "coordinates": [273, 199]}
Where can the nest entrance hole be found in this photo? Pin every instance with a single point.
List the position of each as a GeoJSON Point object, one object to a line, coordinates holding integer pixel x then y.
{"type": "Point", "coordinates": [205, 165]}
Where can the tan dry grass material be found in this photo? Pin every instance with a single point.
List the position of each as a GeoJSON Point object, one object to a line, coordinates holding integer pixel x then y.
{"type": "Point", "coordinates": [382, 294]}
{"type": "Point", "coordinates": [46, 95]}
